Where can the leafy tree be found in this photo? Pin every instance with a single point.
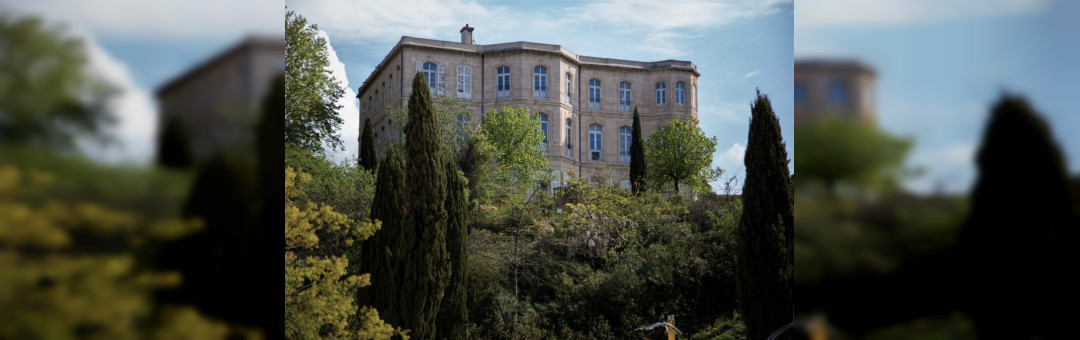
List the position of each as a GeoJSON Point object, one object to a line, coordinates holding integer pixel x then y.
{"type": "Point", "coordinates": [318, 290]}
{"type": "Point", "coordinates": [848, 151]}
{"type": "Point", "coordinates": [173, 148]}
{"type": "Point", "coordinates": [454, 122]}
{"type": "Point", "coordinates": [367, 147]}
{"type": "Point", "coordinates": [765, 262]}
{"type": "Point", "coordinates": [453, 314]}
{"type": "Point", "coordinates": [637, 156]}
{"type": "Point", "coordinates": [47, 94]}
{"type": "Point", "coordinates": [311, 117]}
{"type": "Point", "coordinates": [517, 139]}
{"type": "Point", "coordinates": [679, 153]}
{"type": "Point", "coordinates": [426, 272]}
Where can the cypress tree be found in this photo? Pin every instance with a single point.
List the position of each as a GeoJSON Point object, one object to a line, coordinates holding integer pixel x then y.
{"type": "Point", "coordinates": [382, 253]}
{"type": "Point", "coordinates": [453, 312]}
{"type": "Point", "coordinates": [764, 253]}
{"type": "Point", "coordinates": [367, 147]}
{"type": "Point", "coordinates": [637, 156]}
{"type": "Point", "coordinates": [173, 150]}
{"type": "Point", "coordinates": [427, 269]}
{"type": "Point", "coordinates": [1017, 243]}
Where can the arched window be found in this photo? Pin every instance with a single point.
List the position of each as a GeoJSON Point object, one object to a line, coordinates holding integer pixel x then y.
{"type": "Point", "coordinates": [596, 147]}
{"type": "Point", "coordinates": [680, 93]}
{"type": "Point", "coordinates": [464, 82]}
{"type": "Point", "coordinates": [430, 72]}
{"type": "Point", "coordinates": [540, 82]}
{"type": "Point", "coordinates": [569, 144]}
{"type": "Point", "coordinates": [624, 144]}
{"type": "Point", "coordinates": [503, 77]}
{"type": "Point", "coordinates": [544, 129]}
{"type": "Point", "coordinates": [624, 97]}
{"type": "Point", "coordinates": [661, 93]}
{"type": "Point", "coordinates": [594, 94]}
{"type": "Point", "coordinates": [569, 89]}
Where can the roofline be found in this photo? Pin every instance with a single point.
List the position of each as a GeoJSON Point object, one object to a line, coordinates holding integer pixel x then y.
{"type": "Point", "coordinates": [852, 64]}
{"type": "Point", "coordinates": [246, 43]}
{"type": "Point", "coordinates": [407, 41]}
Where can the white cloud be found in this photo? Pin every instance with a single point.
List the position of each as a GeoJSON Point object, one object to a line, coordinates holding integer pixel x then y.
{"type": "Point", "coordinates": [731, 159]}
{"type": "Point", "coordinates": [674, 16]}
{"type": "Point", "coordinates": [135, 110]}
{"type": "Point", "coordinates": [822, 13]}
{"type": "Point", "coordinates": [349, 112]}
{"type": "Point", "coordinates": [389, 20]}
{"type": "Point", "coordinates": [751, 74]}
{"type": "Point", "coordinates": [161, 19]}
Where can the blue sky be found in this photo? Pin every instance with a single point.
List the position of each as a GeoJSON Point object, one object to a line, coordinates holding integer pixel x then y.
{"type": "Point", "coordinates": [941, 65]}
{"type": "Point", "coordinates": [737, 45]}
{"type": "Point", "coordinates": [140, 45]}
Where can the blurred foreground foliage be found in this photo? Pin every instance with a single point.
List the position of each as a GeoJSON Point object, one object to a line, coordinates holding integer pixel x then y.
{"type": "Point", "coordinates": [76, 246]}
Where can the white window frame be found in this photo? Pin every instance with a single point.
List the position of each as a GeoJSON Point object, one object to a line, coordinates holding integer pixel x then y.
{"type": "Point", "coordinates": [431, 72]}
{"type": "Point", "coordinates": [503, 82]}
{"type": "Point", "coordinates": [544, 129]}
{"type": "Point", "coordinates": [624, 144]}
{"type": "Point", "coordinates": [680, 93]}
{"type": "Point", "coordinates": [596, 142]}
{"type": "Point", "coordinates": [594, 94]}
{"type": "Point", "coordinates": [569, 139]}
{"type": "Point", "coordinates": [540, 82]}
{"type": "Point", "coordinates": [625, 100]}
{"type": "Point", "coordinates": [464, 82]}
{"type": "Point", "coordinates": [661, 93]}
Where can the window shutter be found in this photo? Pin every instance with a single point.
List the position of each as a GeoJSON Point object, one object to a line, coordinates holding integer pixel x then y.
{"type": "Point", "coordinates": [419, 66]}
{"type": "Point", "coordinates": [442, 79]}
{"type": "Point", "coordinates": [468, 82]}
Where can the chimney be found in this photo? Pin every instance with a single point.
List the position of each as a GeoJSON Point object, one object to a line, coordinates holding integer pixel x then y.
{"type": "Point", "coordinates": [466, 34]}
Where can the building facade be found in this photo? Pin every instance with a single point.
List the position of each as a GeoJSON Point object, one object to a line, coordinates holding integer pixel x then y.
{"type": "Point", "coordinates": [833, 87]}
{"type": "Point", "coordinates": [218, 101]}
{"type": "Point", "coordinates": [585, 104]}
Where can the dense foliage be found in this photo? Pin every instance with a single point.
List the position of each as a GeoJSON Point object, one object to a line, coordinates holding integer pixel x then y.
{"type": "Point", "coordinates": [680, 157]}
{"type": "Point", "coordinates": [638, 167]}
{"type": "Point", "coordinates": [368, 159]}
{"type": "Point", "coordinates": [311, 117]}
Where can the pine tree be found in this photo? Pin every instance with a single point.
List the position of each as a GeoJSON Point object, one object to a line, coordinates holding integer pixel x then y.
{"type": "Point", "coordinates": [426, 272]}
{"type": "Point", "coordinates": [453, 311]}
{"type": "Point", "coordinates": [1018, 240]}
{"type": "Point", "coordinates": [765, 252]}
{"type": "Point", "coordinates": [380, 255]}
{"type": "Point", "coordinates": [367, 147]}
{"type": "Point", "coordinates": [637, 156]}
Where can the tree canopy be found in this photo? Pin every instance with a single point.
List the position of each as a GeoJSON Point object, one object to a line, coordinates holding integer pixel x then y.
{"type": "Point", "coordinates": [680, 154]}
{"type": "Point", "coordinates": [311, 118]}
{"type": "Point", "coordinates": [843, 151]}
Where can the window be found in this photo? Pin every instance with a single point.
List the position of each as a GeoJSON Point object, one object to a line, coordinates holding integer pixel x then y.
{"type": "Point", "coordinates": [503, 76]}
{"type": "Point", "coordinates": [661, 93]}
{"type": "Point", "coordinates": [838, 93]}
{"type": "Point", "coordinates": [800, 93]}
{"type": "Point", "coordinates": [594, 94]}
{"type": "Point", "coordinates": [569, 145]}
{"type": "Point", "coordinates": [624, 144]}
{"type": "Point", "coordinates": [624, 97]}
{"type": "Point", "coordinates": [544, 129]}
{"type": "Point", "coordinates": [377, 96]}
{"type": "Point", "coordinates": [464, 82]}
{"type": "Point", "coordinates": [569, 89]}
{"type": "Point", "coordinates": [693, 95]}
{"type": "Point", "coordinates": [680, 93]}
{"type": "Point", "coordinates": [540, 82]}
{"type": "Point", "coordinates": [430, 72]}
{"type": "Point", "coordinates": [596, 146]}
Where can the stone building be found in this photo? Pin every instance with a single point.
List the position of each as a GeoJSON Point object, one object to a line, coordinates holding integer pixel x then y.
{"type": "Point", "coordinates": [218, 101]}
{"type": "Point", "coordinates": [585, 104]}
{"type": "Point", "coordinates": [833, 87]}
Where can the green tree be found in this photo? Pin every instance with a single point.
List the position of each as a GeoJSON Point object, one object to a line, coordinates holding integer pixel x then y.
{"type": "Point", "coordinates": [680, 154]}
{"type": "Point", "coordinates": [516, 138]}
{"type": "Point", "coordinates": [382, 254]}
{"type": "Point", "coordinates": [47, 94]}
{"type": "Point", "coordinates": [426, 272]}
{"type": "Point", "coordinates": [367, 147]}
{"type": "Point", "coordinates": [318, 290]}
{"type": "Point", "coordinates": [311, 117]}
{"type": "Point", "coordinates": [765, 262]}
{"type": "Point", "coordinates": [850, 152]}
{"type": "Point", "coordinates": [637, 156]}
{"type": "Point", "coordinates": [453, 314]}
{"type": "Point", "coordinates": [454, 122]}
{"type": "Point", "coordinates": [173, 149]}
